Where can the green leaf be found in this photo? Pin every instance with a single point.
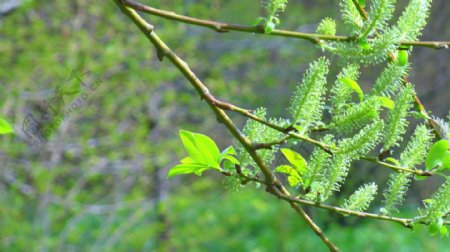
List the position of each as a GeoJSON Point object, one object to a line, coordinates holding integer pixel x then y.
{"type": "Point", "coordinates": [387, 103]}
{"type": "Point", "coordinates": [201, 148]}
{"type": "Point", "coordinates": [186, 169]}
{"type": "Point", "coordinates": [187, 160]}
{"type": "Point", "coordinates": [208, 148]}
{"type": "Point", "coordinates": [5, 127]}
{"type": "Point", "coordinates": [287, 170]}
{"type": "Point", "coordinates": [189, 144]}
{"type": "Point", "coordinates": [228, 155]}
{"type": "Point", "coordinates": [295, 159]}
{"type": "Point", "coordinates": [436, 155]}
{"type": "Point", "coordinates": [354, 86]}
{"type": "Point", "coordinates": [228, 151]}
{"type": "Point", "coordinates": [230, 158]}
{"type": "Point", "coordinates": [446, 162]}
{"type": "Point", "coordinates": [293, 180]}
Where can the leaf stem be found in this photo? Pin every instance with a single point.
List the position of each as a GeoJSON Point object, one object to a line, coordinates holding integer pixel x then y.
{"type": "Point", "coordinates": [398, 168]}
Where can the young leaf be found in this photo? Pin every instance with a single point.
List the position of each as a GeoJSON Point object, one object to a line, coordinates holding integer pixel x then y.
{"type": "Point", "coordinates": [201, 148]}
{"type": "Point", "coordinates": [186, 169]}
{"type": "Point", "coordinates": [209, 149]}
{"type": "Point", "coordinates": [187, 160]}
{"type": "Point", "coordinates": [446, 162]}
{"type": "Point", "coordinates": [295, 159]}
{"type": "Point", "coordinates": [438, 152]}
{"type": "Point", "coordinates": [287, 170]}
{"type": "Point", "coordinates": [293, 178]}
{"type": "Point", "coordinates": [387, 103]}
{"type": "Point", "coordinates": [353, 85]}
{"type": "Point", "coordinates": [5, 127]}
{"type": "Point", "coordinates": [229, 154]}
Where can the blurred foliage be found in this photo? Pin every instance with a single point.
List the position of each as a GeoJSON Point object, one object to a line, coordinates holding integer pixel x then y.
{"type": "Point", "coordinates": [99, 182]}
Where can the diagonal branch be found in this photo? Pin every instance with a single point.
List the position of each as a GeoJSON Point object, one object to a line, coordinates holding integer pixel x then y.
{"type": "Point", "coordinates": [360, 9]}
{"type": "Point", "coordinates": [274, 185]}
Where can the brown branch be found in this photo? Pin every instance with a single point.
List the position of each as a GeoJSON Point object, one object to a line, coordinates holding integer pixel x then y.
{"type": "Point", "coordinates": [360, 9]}
{"type": "Point", "coordinates": [270, 145]}
{"type": "Point", "coordinates": [227, 27]}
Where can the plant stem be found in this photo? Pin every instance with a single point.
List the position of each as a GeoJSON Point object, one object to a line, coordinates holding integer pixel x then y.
{"type": "Point", "coordinates": [227, 27]}
{"type": "Point", "coordinates": [398, 168]}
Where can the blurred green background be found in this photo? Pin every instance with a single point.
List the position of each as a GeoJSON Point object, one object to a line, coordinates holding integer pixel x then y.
{"type": "Point", "coordinates": [99, 183]}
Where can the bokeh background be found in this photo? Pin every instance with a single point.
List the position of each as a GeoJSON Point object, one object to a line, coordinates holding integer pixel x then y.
{"type": "Point", "coordinates": [99, 183]}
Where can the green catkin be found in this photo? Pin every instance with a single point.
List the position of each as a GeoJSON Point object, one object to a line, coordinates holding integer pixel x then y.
{"type": "Point", "coordinates": [397, 122]}
{"type": "Point", "coordinates": [357, 116]}
{"type": "Point", "coordinates": [341, 94]}
{"type": "Point", "coordinates": [307, 103]}
{"type": "Point", "coordinates": [361, 199]}
{"type": "Point", "coordinates": [390, 80]}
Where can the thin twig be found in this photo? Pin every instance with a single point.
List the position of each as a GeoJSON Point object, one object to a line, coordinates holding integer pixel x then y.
{"type": "Point", "coordinates": [270, 145]}
{"type": "Point", "coordinates": [398, 168]}
{"type": "Point", "coordinates": [403, 221]}
{"type": "Point", "coordinates": [360, 9]}
{"type": "Point", "coordinates": [226, 27]}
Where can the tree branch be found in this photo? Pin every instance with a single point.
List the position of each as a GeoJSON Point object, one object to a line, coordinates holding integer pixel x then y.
{"type": "Point", "coordinates": [202, 90]}
{"type": "Point", "coordinates": [403, 221]}
{"type": "Point", "coordinates": [227, 27]}
{"type": "Point", "coordinates": [398, 168]}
